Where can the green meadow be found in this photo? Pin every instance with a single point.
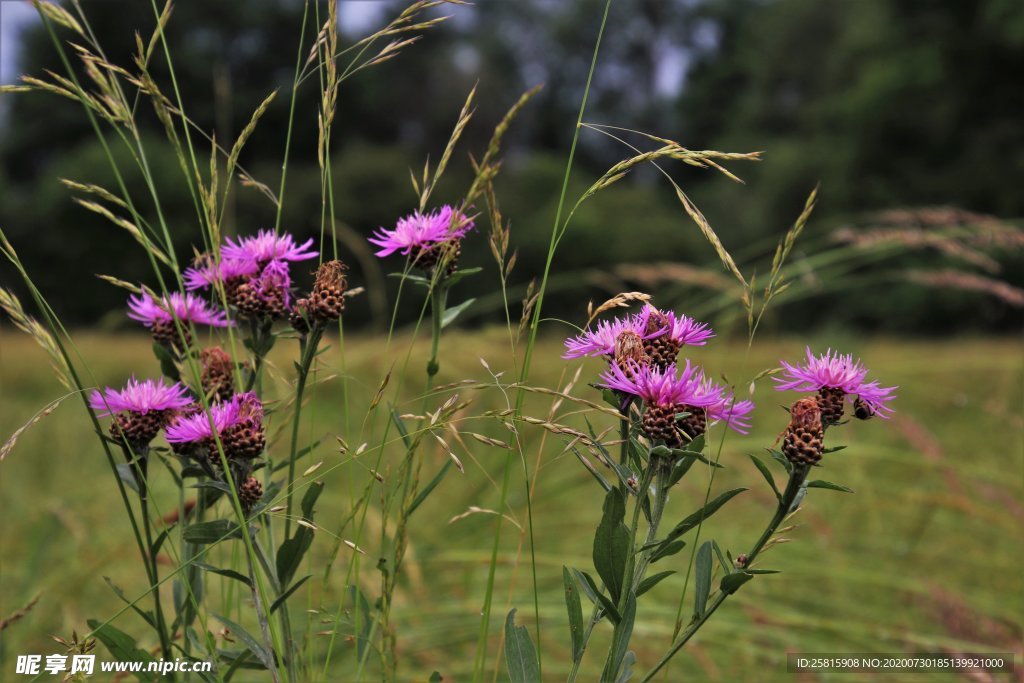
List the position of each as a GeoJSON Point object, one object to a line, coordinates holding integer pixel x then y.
{"type": "Point", "coordinates": [923, 557]}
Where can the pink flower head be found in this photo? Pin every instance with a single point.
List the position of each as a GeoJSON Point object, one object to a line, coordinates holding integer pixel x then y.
{"type": "Point", "coordinates": [274, 283]}
{"type": "Point", "coordinates": [186, 308]}
{"type": "Point", "coordinates": [209, 274]}
{"type": "Point", "coordinates": [265, 247]}
{"type": "Point", "coordinates": [422, 230]}
{"type": "Point", "coordinates": [735, 414]}
{"type": "Point", "coordinates": [196, 427]}
{"type": "Point", "coordinates": [140, 397]}
{"type": "Point", "coordinates": [662, 387]}
{"type": "Point", "coordinates": [600, 341]}
{"type": "Point", "coordinates": [835, 371]}
{"type": "Point", "coordinates": [681, 330]}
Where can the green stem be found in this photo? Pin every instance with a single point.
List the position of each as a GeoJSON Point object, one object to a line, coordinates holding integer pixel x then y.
{"type": "Point", "coordinates": [308, 349]}
{"type": "Point", "coordinates": [796, 480]}
{"type": "Point", "coordinates": [140, 460]}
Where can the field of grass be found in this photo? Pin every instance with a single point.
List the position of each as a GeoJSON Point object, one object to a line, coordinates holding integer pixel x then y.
{"type": "Point", "coordinates": [924, 557]}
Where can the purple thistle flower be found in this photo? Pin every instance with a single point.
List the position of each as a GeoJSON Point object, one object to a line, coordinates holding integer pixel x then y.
{"type": "Point", "coordinates": [196, 427]}
{"type": "Point", "coordinates": [186, 307]}
{"type": "Point", "coordinates": [832, 371]}
{"type": "Point", "coordinates": [209, 274]}
{"type": "Point", "coordinates": [735, 414]}
{"type": "Point", "coordinates": [680, 330]}
{"type": "Point", "coordinates": [601, 340]}
{"type": "Point", "coordinates": [140, 397]}
{"type": "Point", "coordinates": [420, 230]}
{"type": "Point", "coordinates": [243, 409]}
{"type": "Point", "coordinates": [265, 247]}
{"type": "Point", "coordinates": [274, 284]}
{"type": "Point", "coordinates": [661, 386]}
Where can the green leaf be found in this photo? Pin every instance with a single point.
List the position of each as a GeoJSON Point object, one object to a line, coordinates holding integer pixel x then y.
{"type": "Point", "coordinates": [611, 544]}
{"type": "Point", "coordinates": [585, 586]}
{"type": "Point", "coordinates": [652, 581]}
{"type": "Point", "coordinates": [697, 444]}
{"type": "Point", "coordinates": [313, 492]}
{"type": "Point", "coordinates": [248, 640]}
{"type": "Point", "coordinates": [627, 668]}
{"type": "Point", "coordinates": [620, 643]}
{"type": "Point", "coordinates": [146, 616]}
{"type": "Point", "coordinates": [418, 279]}
{"type": "Point", "coordinates": [572, 604]}
{"type": "Point", "coordinates": [168, 363]}
{"type": "Point", "coordinates": [727, 565]}
{"type": "Point", "coordinates": [461, 273]}
{"type": "Point", "coordinates": [422, 495]}
{"type": "Point", "coordinates": [680, 469]}
{"type": "Point", "coordinates": [127, 474]}
{"type": "Point", "coordinates": [205, 533]}
{"type": "Point", "coordinates": [608, 605]}
{"type": "Point", "coordinates": [451, 313]}
{"type": "Point", "coordinates": [700, 515]}
{"type": "Point", "coordinates": [820, 484]}
{"type": "Point", "coordinates": [703, 584]}
{"type": "Point", "coordinates": [229, 573]}
{"type": "Point", "coordinates": [590, 468]}
{"type": "Point", "coordinates": [781, 459]}
{"type": "Point", "coordinates": [833, 449]}
{"type": "Point", "coordinates": [122, 647]}
{"type": "Point", "coordinates": [683, 453]}
{"type": "Point", "coordinates": [732, 582]}
{"type": "Point", "coordinates": [401, 429]}
{"type": "Point", "coordinates": [666, 550]}
{"type": "Point", "coordinates": [284, 596]}
{"type": "Point", "coordinates": [520, 654]}
{"type": "Point", "coordinates": [766, 473]}
{"type": "Point", "coordinates": [289, 555]}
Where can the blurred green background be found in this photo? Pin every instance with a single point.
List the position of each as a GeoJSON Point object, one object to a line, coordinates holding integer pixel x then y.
{"type": "Point", "coordinates": [906, 111]}
{"type": "Point", "coordinates": [887, 103]}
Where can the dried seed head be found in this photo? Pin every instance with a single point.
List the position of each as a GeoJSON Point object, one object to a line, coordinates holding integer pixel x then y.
{"type": "Point", "coordinates": [327, 300]}
{"type": "Point", "coordinates": [217, 376]}
{"type": "Point", "coordinates": [802, 442]}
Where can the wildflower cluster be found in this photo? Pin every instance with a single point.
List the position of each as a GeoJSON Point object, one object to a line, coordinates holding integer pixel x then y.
{"type": "Point", "coordinates": [668, 401]}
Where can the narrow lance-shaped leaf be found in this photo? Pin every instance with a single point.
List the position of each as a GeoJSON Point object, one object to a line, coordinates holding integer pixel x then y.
{"type": "Point", "coordinates": [575, 609]}
{"type": "Point", "coordinates": [703, 585]}
{"type": "Point", "coordinates": [611, 544]}
{"type": "Point", "coordinates": [520, 654]}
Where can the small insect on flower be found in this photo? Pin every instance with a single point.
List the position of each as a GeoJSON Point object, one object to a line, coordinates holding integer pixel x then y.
{"type": "Point", "coordinates": [140, 409]}
{"type": "Point", "coordinates": [604, 339]}
{"type": "Point", "coordinates": [426, 238]}
{"type": "Point", "coordinates": [837, 378]}
{"type": "Point", "coordinates": [676, 331]}
{"type": "Point", "coordinates": [159, 315]}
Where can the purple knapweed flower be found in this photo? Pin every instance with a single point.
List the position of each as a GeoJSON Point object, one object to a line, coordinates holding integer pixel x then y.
{"type": "Point", "coordinates": [140, 409]}
{"type": "Point", "coordinates": [238, 423]}
{"type": "Point", "coordinates": [265, 247]}
{"type": "Point", "coordinates": [603, 340]}
{"type": "Point", "coordinates": [680, 330]}
{"type": "Point", "coordinates": [667, 386]}
{"type": "Point", "coordinates": [140, 397]}
{"type": "Point", "coordinates": [836, 377]}
{"type": "Point", "coordinates": [735, 414]}
{"type": "Point", "coordinates": [205, 273]}
{"type": "Point", "coordinates": [186, 308]}
{"type": "Point", "coordinates": [422, 231]}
